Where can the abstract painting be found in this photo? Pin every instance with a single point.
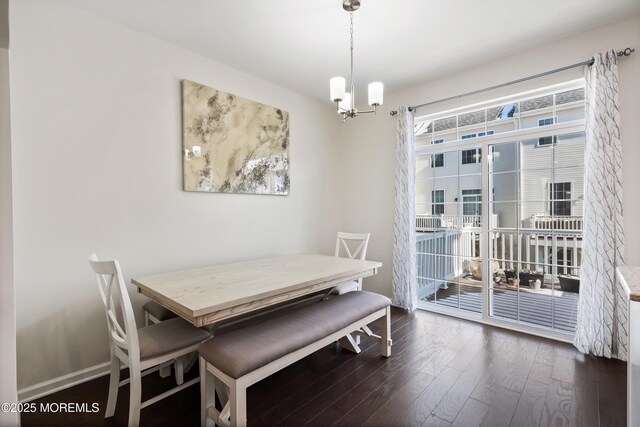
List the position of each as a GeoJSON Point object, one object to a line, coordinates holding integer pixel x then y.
{"type": "Point", "coordinates": [232, 144]}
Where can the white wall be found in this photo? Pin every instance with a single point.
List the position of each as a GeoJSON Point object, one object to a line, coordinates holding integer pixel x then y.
{"type": "Point", "coordinates": [96, 121]}
{"type": "Point", "coordinates": [369, 143]}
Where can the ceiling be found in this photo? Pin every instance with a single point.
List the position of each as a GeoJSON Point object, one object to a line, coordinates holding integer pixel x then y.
{"type": "Point", "coordinates": [300, 44]}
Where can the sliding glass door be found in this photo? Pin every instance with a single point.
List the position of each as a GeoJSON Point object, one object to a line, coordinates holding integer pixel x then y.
{"type": "Point", "coordinates": [536, 248]}
{"type": "Point", "coordinates": [499, 211]}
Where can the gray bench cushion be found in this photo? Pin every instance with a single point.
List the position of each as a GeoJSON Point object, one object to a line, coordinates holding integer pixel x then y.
{"type": "Point", "coordinates": [158, 311]}
{"type": "Point", "coordinates": [173, 334]}
{"type": "Point", "coordinates": [241, 351]}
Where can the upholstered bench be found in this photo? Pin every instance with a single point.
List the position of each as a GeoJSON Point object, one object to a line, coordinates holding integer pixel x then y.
{"type": "Point", "coordinates": [242, 357]}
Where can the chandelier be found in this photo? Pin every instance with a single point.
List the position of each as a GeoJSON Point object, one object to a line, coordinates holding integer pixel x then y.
{"type": "Point", "coordinates": [345, 101]}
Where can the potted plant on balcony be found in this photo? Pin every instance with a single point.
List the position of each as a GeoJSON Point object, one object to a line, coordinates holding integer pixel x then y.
{"type": "Point", "coordinates": [526, 275]}
{"type": "Point", "coordinates": [498, 275]}
{"type": "Point", "coordinates": [512, 275]}
{"type": "Point", "coordinates": [569, 283]}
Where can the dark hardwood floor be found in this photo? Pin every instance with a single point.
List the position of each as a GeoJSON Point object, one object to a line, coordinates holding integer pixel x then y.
{"type": "Point", "coordinates": [443, 371]}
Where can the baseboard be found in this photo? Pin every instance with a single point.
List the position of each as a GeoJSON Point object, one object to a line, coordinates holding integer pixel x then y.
{"type": "Point", "coordinates": [69, 380]}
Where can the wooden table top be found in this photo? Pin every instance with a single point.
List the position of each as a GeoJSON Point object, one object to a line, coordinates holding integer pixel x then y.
{"type": "Point", "coordinates": [206, 295]}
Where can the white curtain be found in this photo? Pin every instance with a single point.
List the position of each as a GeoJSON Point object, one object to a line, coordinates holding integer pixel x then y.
{"type": "Point", "coordinates": [602, 308]}
{"type": "Point", "coordinates": [405, 293]}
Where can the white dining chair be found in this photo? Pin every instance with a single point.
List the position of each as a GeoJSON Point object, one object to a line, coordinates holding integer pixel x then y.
{"type": "Point", "coordinates": [354, 246]}
{"type": "Point", "coordinates": [143, 350]}
{"type": "Point", "coordinates": [155, 313]}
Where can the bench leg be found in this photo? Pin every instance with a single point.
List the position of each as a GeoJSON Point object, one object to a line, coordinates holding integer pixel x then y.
{"type": "Point", "coordinates": [349, 343]}
{"type": "Point", "coordinates": [385, 341]}
{"type": "Point", "coordinates": [238, 399]}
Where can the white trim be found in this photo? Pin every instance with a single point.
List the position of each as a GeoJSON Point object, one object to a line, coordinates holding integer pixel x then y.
{"type": "Point", "coordinates": [63, 382]}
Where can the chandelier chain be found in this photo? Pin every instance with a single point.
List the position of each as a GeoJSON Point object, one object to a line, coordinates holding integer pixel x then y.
{"type": "Point", "coordinates": [353, 95]}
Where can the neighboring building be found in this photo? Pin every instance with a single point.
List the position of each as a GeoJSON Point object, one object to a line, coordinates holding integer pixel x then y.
{"type": "Point", "coordinates": [449, 183]}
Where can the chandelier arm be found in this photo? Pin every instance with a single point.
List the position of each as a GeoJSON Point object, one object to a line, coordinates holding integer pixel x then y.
{"type": "Point", "coordinates": [368, 111]}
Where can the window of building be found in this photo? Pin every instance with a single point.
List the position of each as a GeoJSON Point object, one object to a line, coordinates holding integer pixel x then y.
{"type": "Point", "coordinates": [471, 156]}
{"type": "Point", "coordinates": [560, 199]}
{"type": "Point", "coordinates": [437, 202]}
{"type": "Point", "coordinates": [547, 140]}
{"type": "Point", "coordinates": [437, 160]}
{"type": "Point", "coordinates": [477, 134]}
{"type": "Point", "coordinates": [472, 202]}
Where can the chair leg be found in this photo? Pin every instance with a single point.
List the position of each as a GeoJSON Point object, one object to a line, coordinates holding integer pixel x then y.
{"type": "Point", "coordinates": [238, 396]}
{"type": "Point", "coordinates": [146, 318]}
{"type": "Point", "coordinates": [135, 390]}
{"type": "Point", "coordinates": [179, 370]}
{"type": "Point", "coordinates": [114, 384]}
{"type": "Point", "coordinates": [191, 360]}
{"type": "Point", "coordinates": [385, 335]}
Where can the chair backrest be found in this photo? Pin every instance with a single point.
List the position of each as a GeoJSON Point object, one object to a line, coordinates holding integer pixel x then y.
{"type": "Point", "coordinates": [349, 241]}
{"type": "Point", "coordinates": [123, 335]}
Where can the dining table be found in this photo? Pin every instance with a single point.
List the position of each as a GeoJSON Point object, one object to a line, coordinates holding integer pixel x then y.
{"type": "Point", "coordinates": [210, 294]}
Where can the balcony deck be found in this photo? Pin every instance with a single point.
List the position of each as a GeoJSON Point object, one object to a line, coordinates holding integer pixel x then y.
{"type": "Point", "coordinates": [536, 307]}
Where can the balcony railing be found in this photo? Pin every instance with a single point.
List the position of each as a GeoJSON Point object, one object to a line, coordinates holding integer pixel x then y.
{"type": "Point", "coordinates": [435, 262]}
{"type": "Point", "coordinates": [546, 222]}
{"type": "Point", "coordinates": [446, 245]}
{"type": "Point", "coordinates": [438, 222]}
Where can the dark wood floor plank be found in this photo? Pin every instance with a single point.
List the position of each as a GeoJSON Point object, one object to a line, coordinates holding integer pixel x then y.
{"type": "Point", "coordinates": [531, 404]}
{"type": "Point", "coordinates": [612, 395]}
{"type": "Point", "coordinates": [557, 405]}
{"type": "Point", "coordinates": [475, 346]}
{"type": "Point", "coordinates": [471, 415]}
{"type": "Point", "coordinates": [586, 367]}
{"type": "Point", "coordinates": [564, 369]}
{"type": "Point", "coordinates": [401, 388]}
{"type": "Point", "coordinates": [455, 399]}
{"type": "Point", "coordinates": [434, 421]}
{"type": "Point", "coordinates": [502, 403]}
{"type": "Point", "coordinates": [541, 372]}
{"type": "Point", "coordinates": [396, 372]}
{"type": "Point", "coordinates": [584, 403]}
{"type": "Point", "coordinates": [417, 411]}
{"type": "Point", "coordinates": [546, 353]}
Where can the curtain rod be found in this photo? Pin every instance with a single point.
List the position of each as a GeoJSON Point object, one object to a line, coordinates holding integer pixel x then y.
{"type": "Point", "coordinates": [625, 52]}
